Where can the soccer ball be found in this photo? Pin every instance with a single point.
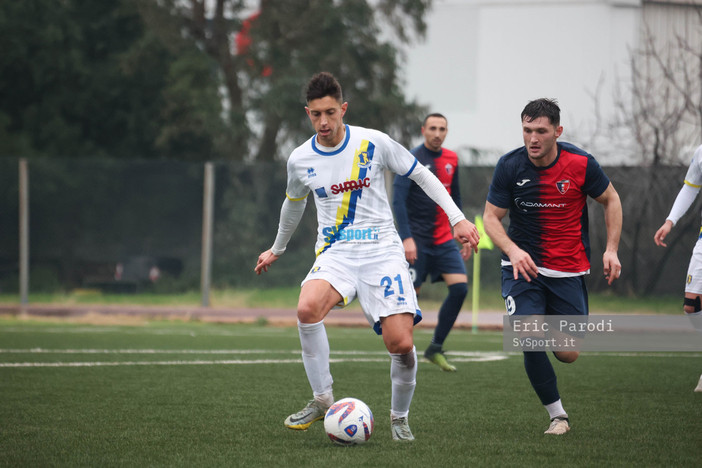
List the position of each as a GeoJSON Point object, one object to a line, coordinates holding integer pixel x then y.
{"type": "Point", "coordinates": [349, 421]}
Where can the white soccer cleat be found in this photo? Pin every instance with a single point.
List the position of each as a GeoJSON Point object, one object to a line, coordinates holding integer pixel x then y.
{"type": "Point", "coordinates": [559, 426]}
{"type": "Point", "coordinates": [314, 411]}
{"type": "Point", "coordinates": [698, 388]}
{"type": "Point", "coordinates": [400, 429]}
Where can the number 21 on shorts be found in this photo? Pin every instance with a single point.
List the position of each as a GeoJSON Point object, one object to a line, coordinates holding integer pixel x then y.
{"type": "Point", "coordinates": [391, 284]}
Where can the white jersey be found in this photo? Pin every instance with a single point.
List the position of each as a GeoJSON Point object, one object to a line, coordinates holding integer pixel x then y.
{"type": "Point", "coordinates": [348, 184]}
{"type": "Point", "coordinates": [694, 172]}
{"type": "Point", "coordinates": [690, 189]}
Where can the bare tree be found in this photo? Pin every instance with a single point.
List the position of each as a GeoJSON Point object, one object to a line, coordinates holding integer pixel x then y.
{"type": "Point", "coordinates": [658, 114]}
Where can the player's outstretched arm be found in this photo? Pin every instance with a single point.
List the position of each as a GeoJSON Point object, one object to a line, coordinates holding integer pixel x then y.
{"type": "Point", "coordinates": [290, 215]}
{"type": "Point", "coordinates": [683, 201]}
{"type": "Point", "coordinates": [662, 233]}
{"type": "Point", "coordinates": [467, 234]}
{"type": "Point", "coordinates": [265, 260]}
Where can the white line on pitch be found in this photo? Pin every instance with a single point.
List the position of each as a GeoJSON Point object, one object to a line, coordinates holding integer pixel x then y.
{"type": "Point", "coordinates": [209, 363]}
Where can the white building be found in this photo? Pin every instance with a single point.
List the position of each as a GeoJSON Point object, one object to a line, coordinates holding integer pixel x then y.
{"type": "Point", "coordinates": [483, 60]}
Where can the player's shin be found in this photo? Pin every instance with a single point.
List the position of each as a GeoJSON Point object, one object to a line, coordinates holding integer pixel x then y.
{"type": "Point", "coordinates": [542, 376]}
{"type": "Point", "coordinates": [403, 374]}
{"type": "Point", "coordinates": [315, 357]}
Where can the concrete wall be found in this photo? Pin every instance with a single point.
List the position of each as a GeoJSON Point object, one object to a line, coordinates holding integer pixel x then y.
{"type": "Point", "coordinates": [483, 60]}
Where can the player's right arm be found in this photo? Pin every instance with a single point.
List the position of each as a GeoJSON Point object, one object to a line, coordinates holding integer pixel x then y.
{"type": "Point", "coordinates": [464, 231]}
{"type": "Point", "coordinates": [662, 233]}
{"type": "Point", "coordinates": [685, 198]}
{"type": "Point", "coordinates": [521, 261]}
{"type": "Point", "coordinates": [290, 215]}
{"type": "Point", "coordinates": [401, 187]}
{"type": "Point", "coordinates": [682, 203]}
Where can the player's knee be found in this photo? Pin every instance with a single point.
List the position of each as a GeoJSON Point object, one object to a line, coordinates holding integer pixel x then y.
{"type": "Point", "coordinates": [398, 342]}
{"type": "Point", "coordinates": [400, 345]}
{"type": "Point", "coordinates": [458, 290]}
{"type": "Point", "coordinates": [567, 356]}
{"type": "Point", "coordinates": [691, 306]}
{"type": "Point", "coordinates": [308, 312]}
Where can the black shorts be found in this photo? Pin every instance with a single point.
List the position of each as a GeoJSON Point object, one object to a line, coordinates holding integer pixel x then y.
{"type": "Point", "coordinates": [544, 295]}
{"type": "Point", "coordinates": [436, 260]}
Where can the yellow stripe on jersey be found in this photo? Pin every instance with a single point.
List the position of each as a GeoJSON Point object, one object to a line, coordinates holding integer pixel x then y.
{"type": "Point", "coordinates": [344, 216]}
{"type": "Point", "coordinates": [687, 182]}
{"type": "Point", "coordinates": [295, 199]}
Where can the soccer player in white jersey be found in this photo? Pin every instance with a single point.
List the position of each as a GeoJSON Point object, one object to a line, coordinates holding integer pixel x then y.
{"type": "Point", "coordinates": [684, 200]}
{"type": "Point", "coordinates": [359, 253]}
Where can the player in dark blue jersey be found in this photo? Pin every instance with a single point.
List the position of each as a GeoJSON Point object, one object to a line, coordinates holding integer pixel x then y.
{"type": "Point", "coordinates": [544, 187]}
{"type": "Point", "coordinates": [426, 232]}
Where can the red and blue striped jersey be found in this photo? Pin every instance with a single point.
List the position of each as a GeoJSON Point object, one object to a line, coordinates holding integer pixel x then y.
{"type": "Point", "coordinates": [416, 214]}
{"type": "Point", "coordinates": [547, 205]}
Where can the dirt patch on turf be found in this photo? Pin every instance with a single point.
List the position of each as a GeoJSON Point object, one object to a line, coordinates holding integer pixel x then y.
{"type": "Point", "coordinates": [90, 318]}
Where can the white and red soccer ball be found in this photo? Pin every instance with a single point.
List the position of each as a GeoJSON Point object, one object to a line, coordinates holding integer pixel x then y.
{"type": "Point", "coordinates": [349, 421]}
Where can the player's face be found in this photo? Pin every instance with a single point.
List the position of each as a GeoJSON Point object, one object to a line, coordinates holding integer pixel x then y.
{"type": "Point", "coordinates": [540, 137]}
{"type": "Point", "coordinates": [327, 117]}
{"type": "Point", "coordinates": [434, 131]}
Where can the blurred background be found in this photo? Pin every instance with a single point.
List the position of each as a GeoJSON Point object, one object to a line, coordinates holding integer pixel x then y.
{"type": "Point", "coordinates": [117, 107]}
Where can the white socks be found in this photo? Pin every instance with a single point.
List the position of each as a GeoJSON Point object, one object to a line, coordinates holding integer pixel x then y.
{"type": "Point", "coordinates": [315, 357]}
{"type": "Point", "coordinates": [555, 409]}
{"type": "Point", "coordinates": [403, 373]}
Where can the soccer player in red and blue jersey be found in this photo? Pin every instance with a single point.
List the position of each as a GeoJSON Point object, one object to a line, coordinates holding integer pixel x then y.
{"type": "Point", "coordinates": [544, 187]}
{"type": "Point", "coordinates": [426, 232]}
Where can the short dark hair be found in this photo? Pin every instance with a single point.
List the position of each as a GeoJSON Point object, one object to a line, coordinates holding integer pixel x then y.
{"type": "Point", "coordinates": [543, 107]}
{"type": "Point", "coordinates": [434, 114]}
{"type": "Point", "coordinates": [321, 85]}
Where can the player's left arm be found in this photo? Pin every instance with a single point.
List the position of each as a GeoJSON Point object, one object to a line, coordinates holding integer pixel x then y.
{"type": "Point", "coordinates": [404, 163]}
{"type": "Point", "coordinates": [464, 231]}
{"type": "Point", "coordinates": [290, 215]}
{"type": "Point", "coordinates": [613, 220]}
{"type": "Point", "coordinates": [456, 189]}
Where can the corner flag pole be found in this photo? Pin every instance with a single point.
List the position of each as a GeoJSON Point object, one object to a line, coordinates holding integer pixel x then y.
{"type": "Point", "coordinates": [485, 243]}
{"type": "Point", "coordinates": [476, 289]}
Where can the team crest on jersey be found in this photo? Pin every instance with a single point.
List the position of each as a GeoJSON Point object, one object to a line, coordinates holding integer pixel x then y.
{"type": "Point", "coordinates": [449, 169]}
{"type": "Point", "coordinates": [321, 193]}
{"type": "Point", "coordinates": [563, 186]}
{"type": "Point", "coordinates": [363, 159]}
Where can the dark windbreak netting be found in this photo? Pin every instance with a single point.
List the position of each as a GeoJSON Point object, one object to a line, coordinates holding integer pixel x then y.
{"type": "Point", "coordinates": [132, 226]}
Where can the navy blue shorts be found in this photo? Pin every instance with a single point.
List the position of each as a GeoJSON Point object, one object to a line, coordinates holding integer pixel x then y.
{"type": "Point", "coordinates": [436, 260]}
{"type": "Point", "coordinates": [544, 295]}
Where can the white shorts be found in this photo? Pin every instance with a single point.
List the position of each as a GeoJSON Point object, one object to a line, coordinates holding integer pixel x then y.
{"type": "Point", "coordinates": [693, 282]}
{"type": "Point", "coordinates": [381, 282]}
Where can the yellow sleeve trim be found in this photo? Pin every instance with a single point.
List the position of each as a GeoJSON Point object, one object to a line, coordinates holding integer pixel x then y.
{"type": "Point", "coordinates": [295, 199]}
{"type": "Point", "coordinates": [687, 182]}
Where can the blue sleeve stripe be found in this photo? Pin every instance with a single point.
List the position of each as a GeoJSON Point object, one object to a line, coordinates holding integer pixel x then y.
{"type": "Point", "coordinates": [411, 168]}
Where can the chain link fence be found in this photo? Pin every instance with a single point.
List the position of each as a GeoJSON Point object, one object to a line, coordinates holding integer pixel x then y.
{"type": "Point", "coordinates": [133, 226]}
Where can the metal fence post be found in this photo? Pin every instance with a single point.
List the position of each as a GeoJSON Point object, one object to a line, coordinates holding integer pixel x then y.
{"type": "Point", "coordinates": [207, 223]}
{"type": "Point", "coordinates": [23, 231]}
